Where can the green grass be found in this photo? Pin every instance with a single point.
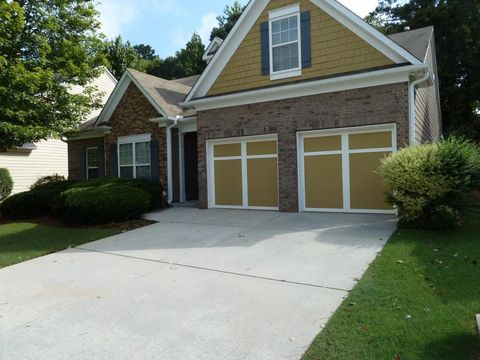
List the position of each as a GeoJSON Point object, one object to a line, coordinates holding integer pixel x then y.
{"type": "Point", "coordinates": [417, 300]}
{"type": "Point", "coordinates": [23, 241]}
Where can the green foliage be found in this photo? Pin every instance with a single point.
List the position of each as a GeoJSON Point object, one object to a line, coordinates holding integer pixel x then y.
{"type": "Point", "coordinates": [190, 58]}
{"type": "Point", "coordinates": [457, 25]}
{"type": "Point", "coordinates": [120, 56]}
{"type": "Point", "coordinates": [429, 183]}
{"type": "Point", "coordinates": [145, 52]}
{"type": "Point", "coordinates": [44, 180]}
{"type": "Point", "coordinates": [104, 204]}
{"type": "Point", "coordinates": [227, 21]}
{"type": "Point", "coordinates": [45, 45]}
{"type": "Point", "coordinates": [6, 184]}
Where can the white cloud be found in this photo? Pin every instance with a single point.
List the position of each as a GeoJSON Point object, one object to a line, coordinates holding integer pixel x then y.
{"type": "Point", "coordinates": [360, 7]}
{"type": "Point", "coordinates": [115, 15]}
{"type": "Point", "coordinates": [209, 21]}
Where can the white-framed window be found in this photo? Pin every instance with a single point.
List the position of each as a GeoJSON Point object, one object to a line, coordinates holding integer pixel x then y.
{"type": "Point", "coordinates": [285, 44]}
{"type": "Point", "coordinates": [91, 163]}
{"type": "Point", "coordinates": [134, 157]}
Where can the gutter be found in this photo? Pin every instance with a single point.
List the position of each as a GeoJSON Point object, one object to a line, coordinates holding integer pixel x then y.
{"type": "Point", "coordinates": [169, 122]}
{"type": "Point", "coordinates": [412, 123]}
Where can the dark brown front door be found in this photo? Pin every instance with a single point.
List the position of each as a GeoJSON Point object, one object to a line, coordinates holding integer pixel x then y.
{"type": "Point", "coordinates": [191, 166]}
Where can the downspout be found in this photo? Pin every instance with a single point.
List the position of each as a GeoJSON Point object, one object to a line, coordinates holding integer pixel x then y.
{"type": "Point", "coordinates": [169, 161]}
{"type": "Point", "coordinates": [411, 106]}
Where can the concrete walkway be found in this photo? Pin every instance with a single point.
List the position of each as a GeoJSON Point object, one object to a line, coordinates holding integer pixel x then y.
{"type": "Point", "coordinates": [211, 284]}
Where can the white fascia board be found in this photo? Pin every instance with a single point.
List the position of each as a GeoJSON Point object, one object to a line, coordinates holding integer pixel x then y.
{"type": "Point", "coordinates": [228, 48]}
{"type": "Point", "coordinates": [348, 82]}
{"type": "Point", "coordinates": [117, 95]}
{"type": "Point", "coordinates": [216, 40]}
{"type": "Point", "coordinates": [367, 32]}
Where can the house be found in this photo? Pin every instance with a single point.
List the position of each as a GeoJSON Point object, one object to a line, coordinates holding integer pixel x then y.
{"type": "Point", "coordinates": [294, 112]}
{"type": "Point", "coordinates": [31, 161]}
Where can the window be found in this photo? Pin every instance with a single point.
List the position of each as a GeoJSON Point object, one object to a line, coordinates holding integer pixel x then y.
{"type": "Point", "coordinates": [285, 58]}
{"type": "Point", "coordinates": [134, 157]}
{"type": "Point", "coordinates": [91, 155]}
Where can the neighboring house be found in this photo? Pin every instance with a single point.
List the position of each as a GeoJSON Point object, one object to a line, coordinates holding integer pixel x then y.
{"type": "Point", "coordinates": [31, 161]}
{"type": "Point", "coordinates": [294, 112]}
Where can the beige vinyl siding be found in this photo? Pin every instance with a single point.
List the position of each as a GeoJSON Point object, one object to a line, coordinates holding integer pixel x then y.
{"type": "Point", "coordinates": [49, 158]}
{"type": "Point", "coordinates": [427, 106]}
{"type": "Point", "coordinates": [335, 50]}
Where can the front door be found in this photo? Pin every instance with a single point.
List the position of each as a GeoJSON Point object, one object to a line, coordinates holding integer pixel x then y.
{"type": "Point", "coordinates": [191, 166]}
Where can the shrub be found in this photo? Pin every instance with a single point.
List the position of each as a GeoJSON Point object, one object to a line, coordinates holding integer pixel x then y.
{"type": "Point", "coordinates": [34, 203]}
{"type": "Point", "coordinates": [49, 179]}
{"type": "Point", "coordinates": [155, 190]}
{"type": "Point", "coordinates": [104, 204]}
{"type": "Point", "coordinates": [429, 183]}
{"type": "Point", "coordinates": [6, 184]}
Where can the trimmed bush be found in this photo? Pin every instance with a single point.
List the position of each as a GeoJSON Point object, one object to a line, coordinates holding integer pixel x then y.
{"type": "Point", "coordinates": [155, 190]}
{"type": "Point", "coordinates": [6, 184]}
{"type": "Point", "coordinates": [429, 183]}
{"type": "Point", "coordinates": [33, 203]}
{"type": "Point", "coordinates": [104, 204]}
{"type": "Point", "coordinates": [49, 179]}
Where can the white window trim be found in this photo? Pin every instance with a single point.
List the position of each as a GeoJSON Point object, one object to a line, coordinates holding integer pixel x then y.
{"type": "Point", "coordinates": [280, 14]}
{"type": "Point", "coordinates": [243, 157]}
{"type": "Point", "coordinates": [133, 139]}
{"type": "Point", "coordinates": [345, 152]}
{"type": "Point", "coordinates": [86, 160]}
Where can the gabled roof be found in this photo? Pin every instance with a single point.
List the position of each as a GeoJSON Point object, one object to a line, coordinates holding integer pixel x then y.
{"type": "Point", "coordinates": [164, 95]}
{"type": "Point", "coordinates": [415, 41]}
{"type": "Point", "coordinates": [189, 81]}
{"type": "Point", "coordinates": [254, 9]}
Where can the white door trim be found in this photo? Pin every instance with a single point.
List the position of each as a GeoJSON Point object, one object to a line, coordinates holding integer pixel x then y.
{"type": "Point", "coordinates": [345, 152]}
{"type": "Point", "coordinates": [243, 157]}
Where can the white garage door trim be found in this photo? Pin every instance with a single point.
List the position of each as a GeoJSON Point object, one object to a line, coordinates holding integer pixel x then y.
{"type": "Point", "coordinates": [244, 157]}
{"type": "Point", "coordinates": [345, 152]}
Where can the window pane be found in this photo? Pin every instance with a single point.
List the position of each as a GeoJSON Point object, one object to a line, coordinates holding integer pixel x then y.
{"type": "Point", "coordinates": [143, 172]}
{"type": "Point", "coordinates": [275, 26]}
{"type": "Point", "coordinates": [126, 154]}
{"type": "Point", "coordinates": [126, 172]}
{"type": "Point", "coordinates": [142, 153]}
{"type": "Point", "coordinates": [92, 158]}
{"type": "Point", "coordinates": [276, 39]}
{"type": "Point", "coordinates": [93, 173]}
{"type": "Point", "coordinates": [285, 57]}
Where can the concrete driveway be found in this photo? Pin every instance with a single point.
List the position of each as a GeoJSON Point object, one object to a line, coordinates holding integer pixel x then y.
{"type": "Point", "coordinates": [211, 284]}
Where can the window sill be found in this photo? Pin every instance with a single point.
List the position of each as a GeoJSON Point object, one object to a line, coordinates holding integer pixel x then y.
{"type": "Point", "coordinates": [286, 74]}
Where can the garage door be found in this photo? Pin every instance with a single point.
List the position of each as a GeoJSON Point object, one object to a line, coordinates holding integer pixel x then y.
{"type": "Point", "coordinates": [243, 173]}
{"type": "Point", "coordinates": [338, 169]}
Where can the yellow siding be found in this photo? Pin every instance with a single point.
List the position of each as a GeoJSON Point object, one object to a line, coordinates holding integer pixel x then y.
{"type": "Point", "coordinates": [335, 50]}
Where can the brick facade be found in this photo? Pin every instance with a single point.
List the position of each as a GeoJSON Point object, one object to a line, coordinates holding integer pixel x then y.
{"type": "Point", "coordinates": [75, 160]}
{"type": "Point", "coordinates": [375, 105]}
{"type": "Point", "coordinates": [131, 117]}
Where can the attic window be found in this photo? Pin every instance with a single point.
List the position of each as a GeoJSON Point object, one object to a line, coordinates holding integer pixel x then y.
{"type": "Point", "coordinates": [285, 48]}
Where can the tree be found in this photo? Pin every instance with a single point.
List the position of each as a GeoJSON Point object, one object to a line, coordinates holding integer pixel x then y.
{"type": "Point", "coordinates": [190, 57]}
{"type": "Point", "coordinates": [45, 48]}
{"type": "Point", "coordinates": [145, 52]}
{"type": "Point", "coordinates": [120, 56]}
{"type": "Point", "coordinates": [457, 25]}
{"type": "Point", "coordinates": [227, 21]}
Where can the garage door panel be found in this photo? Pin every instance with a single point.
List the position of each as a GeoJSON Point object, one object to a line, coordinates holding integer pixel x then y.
{"type": "Point", "coordinates": [262, 148]}
{"type": "Point", "coordinates": [370, 140]}
{"type": "Point", "coordinates": [323, 182]}
{"type": "Point", "coordinates": [228, 182]}
{"type": "Point", "coordinates": [227, 150]}
{"type": "Point", "coordinates": [262, 182]}
{"type": "Point", "coordinates": [367, 190]}
{"type": "Point", "coordinates": [322, 143]}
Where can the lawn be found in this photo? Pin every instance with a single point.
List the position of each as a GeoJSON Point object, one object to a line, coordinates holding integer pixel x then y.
{"type": "Point", "coordinates": [418, 300]}
{"type": "Point", "coordinates": [23, 241]}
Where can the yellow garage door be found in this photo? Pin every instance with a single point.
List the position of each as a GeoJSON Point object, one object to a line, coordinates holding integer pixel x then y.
{"type": "Point", "coordinates": [245, 174]}
{"type": "Point", "coordinates": [340, 170]}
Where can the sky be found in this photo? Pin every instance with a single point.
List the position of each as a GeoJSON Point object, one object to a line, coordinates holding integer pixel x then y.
{"type": "Point", "coordinates": [167, 25]}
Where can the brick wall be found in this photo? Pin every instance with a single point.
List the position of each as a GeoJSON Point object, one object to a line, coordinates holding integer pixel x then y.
{"type": "Point", "coordinates": [131, 117]}
{"type": "Point", "coordinates": [376, 105]}
{"type": "Point", "coordinates": [75, 148]}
